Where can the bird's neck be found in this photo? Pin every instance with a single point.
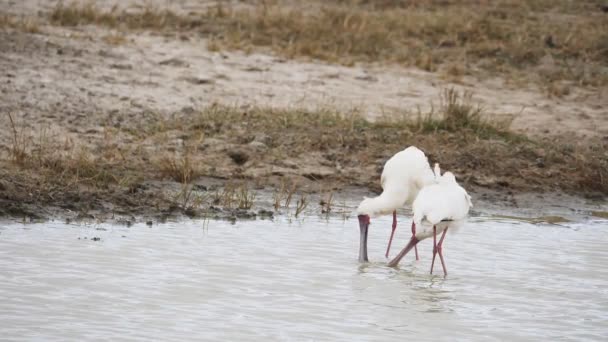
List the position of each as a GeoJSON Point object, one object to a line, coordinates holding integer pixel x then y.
{"type": "Point", "coordinates": [386, 203]}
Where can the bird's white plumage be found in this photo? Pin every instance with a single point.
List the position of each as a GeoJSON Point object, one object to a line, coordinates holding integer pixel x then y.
{"type": "Point", "coordinates": [442, 204]}
{"type": "Point", "coordinates": [403, 176]}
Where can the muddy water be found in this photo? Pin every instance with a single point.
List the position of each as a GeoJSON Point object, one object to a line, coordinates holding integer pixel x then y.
{"type": "Point", "coordinates": [297, 281]}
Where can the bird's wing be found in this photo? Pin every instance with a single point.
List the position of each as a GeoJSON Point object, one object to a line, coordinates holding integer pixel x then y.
{"type": "Point", "coordinates": [441, 202]}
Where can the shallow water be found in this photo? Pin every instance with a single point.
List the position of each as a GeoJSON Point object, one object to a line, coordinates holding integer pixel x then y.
{"type": "Point", "coordinates": [508, 280]}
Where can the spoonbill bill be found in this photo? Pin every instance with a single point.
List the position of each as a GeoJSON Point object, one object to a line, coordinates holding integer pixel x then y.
{"type": "Point", "coordinates": [437, 207]}
{"type": "Point", "coordinates": [403, 175]}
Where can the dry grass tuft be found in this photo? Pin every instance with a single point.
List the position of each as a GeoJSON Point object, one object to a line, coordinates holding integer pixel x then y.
{"type": "Point", "coordinates": [301, 204]}
{"type": "Point", "coordinates": [188, 200]}
{"type": "Point", "coordinates": [19, 142]}
{"type": "Point", "coordinates": [21, 23]}
{"type": "Point", "coordinates": [234, 195]}
{"type": "Point", "coordinates": [459, 113]}
{"type": "Point", "coordinates": [284, 193]}
{"type": "Point", "coordinates": [178, 168]}
{"type": "Point", "coordinates": [150, 18]}
{"type": "Point", "coordinates": [115, 39]}
{"type": "Point", "coordinates": [326, 202]}
{"type": "Point", "coordinates": [25, 24]}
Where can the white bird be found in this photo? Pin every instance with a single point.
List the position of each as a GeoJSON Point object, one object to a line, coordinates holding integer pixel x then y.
{"type": "Point", "coordinates": [403, 176]}
{"type": "Point", "coordinates": [438, 207]}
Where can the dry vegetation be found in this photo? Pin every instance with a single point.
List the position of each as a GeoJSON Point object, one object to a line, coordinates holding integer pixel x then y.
{"type": "Point", "coordinates": [25, 24]}
{"type": "Point", "coordinates": [479, 151]}
{"type": "Point", "coordinates": [534, 40]}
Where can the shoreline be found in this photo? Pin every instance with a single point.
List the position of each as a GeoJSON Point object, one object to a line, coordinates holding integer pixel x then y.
{"type": "Point", "coordinates": [534, 207]}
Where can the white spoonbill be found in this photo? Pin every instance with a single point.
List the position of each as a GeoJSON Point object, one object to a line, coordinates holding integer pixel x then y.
{"type": "Point", "coordinates": [437, 207]}
{"type": "Point", "coordinates": [403, 176]}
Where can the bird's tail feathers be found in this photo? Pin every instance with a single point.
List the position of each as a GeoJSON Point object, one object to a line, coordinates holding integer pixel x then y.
{"type": "Point", "coordinates": [437, 172]}
{"type": "Point", "coordinates": [469, 200]}
{"type": "Point", "coordinates": [418, 218]}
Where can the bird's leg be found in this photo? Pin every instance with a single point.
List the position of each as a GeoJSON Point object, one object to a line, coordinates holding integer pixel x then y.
{"type": "Point", "coordinates": [414, 234]}
{"type": "Point", "coordinates": [388, 248]}
{"type": "Point", "coordinates": [440, 251]}
{"type": "Point", "coordinates": [413, 242]}
{"type": "Point", "coordinates": [434, 247]}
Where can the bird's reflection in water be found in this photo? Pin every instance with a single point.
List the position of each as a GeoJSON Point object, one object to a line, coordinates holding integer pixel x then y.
{"type": "Point", "coordinates": [429, 294]}
{"type": "Point", "coordinates": [370, 267]}
{"type": "Point", "coordinates": [417, 291]}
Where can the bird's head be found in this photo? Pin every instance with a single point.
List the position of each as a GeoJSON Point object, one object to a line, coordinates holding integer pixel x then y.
{"type": "Point", "coordinates": [364, 222]}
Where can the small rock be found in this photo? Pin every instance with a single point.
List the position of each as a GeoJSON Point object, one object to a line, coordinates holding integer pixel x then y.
{"type": "Point", "coordinates": [596, 196]}
{"type": "Point", "coordinates": [199, 187]}
{"type": "Point", "coordinates": [540, 162]}
{"type": "Point", "coordinates": [126, 222]}
{"type": "Point", "coordinates": [549, 42]}
{"type": "Point", "coordinates": [210, 142]}
{"type": "Point", "coordinates": [187, 110]}
{"type": "Point", "coordinates": [258, 145]}
{"type": "Point", "coordinates": [368, 78]}
{"type": "Point", "coordinates": [263, 138]}
{"type": "Point", "coordinates": [255, 68]}
{"type": "Point", "coordinates": [198, 80]}
{"type": "Point", "coordinates": [238, 156]}
{"type": "Point", "coordinates": [290, 164]}
{"type": "Point", "coordinates": [84, 216]}
{"type": "Point", "coordinates": [190, 212]}
{"type": "Point", "coordinates": [503, 183]}
{"type": "Point", "coordinates": [121, 66]}
{"type": "Point", "coordinates": [244, 214]}
{"type": "Point", "coordinates": [315, 173]}
{"type": "Point", "coordinates": [281, 171]}
{"type": "Point", "coordinates": [546, 65]}
{"type": "Point", "coordinates": [331, 75]}
{"type": "Point", "coordinates": [109, 54]}
{"type": "Point", "coordinates": [265, 213]}
{"type": "Point", "coordinates": [174, 62]}
{"type": "Point", "coordinates": [447, 43]}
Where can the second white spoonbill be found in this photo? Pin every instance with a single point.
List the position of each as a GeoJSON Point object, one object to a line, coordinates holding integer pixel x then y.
{"type": "Point", "coordinates": [438, 207]}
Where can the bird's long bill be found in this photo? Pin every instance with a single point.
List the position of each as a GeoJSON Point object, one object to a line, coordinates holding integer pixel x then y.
{"type": "Point", "coordinates": [363, 227]}
{"type": "Point", "coordinates": [413, 242]}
